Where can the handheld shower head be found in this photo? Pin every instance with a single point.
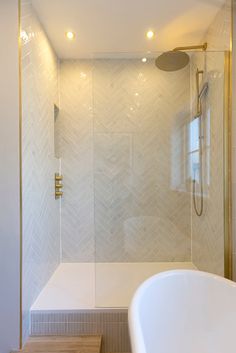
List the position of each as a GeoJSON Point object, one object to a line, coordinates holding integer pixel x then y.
{"type": "Point", "coordinates": [203, 91]}
{"type": "Point", "coordinates": [197, 115]}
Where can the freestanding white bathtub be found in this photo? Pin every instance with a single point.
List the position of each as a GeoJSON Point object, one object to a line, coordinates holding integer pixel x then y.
{"type": "Point", "coordinates": [184, 311]}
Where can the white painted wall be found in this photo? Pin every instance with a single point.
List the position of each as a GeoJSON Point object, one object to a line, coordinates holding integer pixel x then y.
{"type": "Point", "coordinates": [9, 178]}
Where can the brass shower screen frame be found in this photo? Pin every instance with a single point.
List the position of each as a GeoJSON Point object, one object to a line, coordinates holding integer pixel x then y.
{"type": "Point", "coordinates": [227, 121]}
{"type": "Point", "coordinates": [227, 165]}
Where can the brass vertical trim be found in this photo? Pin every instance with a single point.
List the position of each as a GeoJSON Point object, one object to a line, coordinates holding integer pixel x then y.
{"type": "Point", "coordinates": [20, 171]}
{"type": "Point", "coordinates": [228, 264]}
{"type": "Point", "coordinates": [227, 165]}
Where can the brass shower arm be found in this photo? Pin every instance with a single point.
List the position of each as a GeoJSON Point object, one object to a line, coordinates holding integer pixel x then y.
{"type": "Point", "coordinates": [192, 47]}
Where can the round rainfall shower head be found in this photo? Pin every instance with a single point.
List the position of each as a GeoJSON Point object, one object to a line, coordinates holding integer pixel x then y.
{"type": "Point", "coordinates": [172, 61]}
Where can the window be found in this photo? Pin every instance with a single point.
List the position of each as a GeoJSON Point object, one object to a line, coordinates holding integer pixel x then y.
{"type": "Point", "coordinates": [194, 152]}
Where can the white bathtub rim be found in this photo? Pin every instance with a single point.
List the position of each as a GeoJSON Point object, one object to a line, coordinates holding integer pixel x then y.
{"type": "Point", "coordinates": [135, 330]}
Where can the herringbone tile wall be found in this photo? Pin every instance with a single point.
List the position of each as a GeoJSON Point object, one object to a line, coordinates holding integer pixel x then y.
{"type": "Point", "coordinates": [41, 242]}
{"type": "Point", "coordinates": [218, 35]}
{"type": "Point", "coordinates": [121, 141]}
{"type": "Point", "coordinates": [76, 149]}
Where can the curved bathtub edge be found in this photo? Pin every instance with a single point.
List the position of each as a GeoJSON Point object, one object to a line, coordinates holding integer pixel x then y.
{"type": "Point", "coordinates": [135, 330]}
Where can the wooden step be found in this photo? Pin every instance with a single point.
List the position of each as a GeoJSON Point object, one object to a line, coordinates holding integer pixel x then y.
{"type": "Point", "coordinates": [63, 344]}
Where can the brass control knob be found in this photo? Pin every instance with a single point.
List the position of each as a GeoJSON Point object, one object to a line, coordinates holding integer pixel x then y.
{"type": "Point", "coordinates": [58, 193]}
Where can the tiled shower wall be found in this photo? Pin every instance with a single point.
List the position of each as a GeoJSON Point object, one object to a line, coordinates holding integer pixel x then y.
{"type": "Point", "coordinates": [122, 143]}
{"type": "Point", "coordinates": [76, 149]}
{"type": "Point", "coordinates": [207, 233]}
{"type": "Point", "coordinates": [141, 204]}
{"type": "Point", "coordinates": [118, 136]}
{"type": "Point", "coordinates": [40, 211]}
{"type": "Point", "coordinates": [218, 35]}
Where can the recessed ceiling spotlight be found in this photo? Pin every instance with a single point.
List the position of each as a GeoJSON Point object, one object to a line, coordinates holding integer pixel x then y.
{"type": "Point", "coordinates": [70, 35]}
{"type": "Point", "coordinates": [144, 60]}
{"type": "Point", "coordinates": [150, 34]}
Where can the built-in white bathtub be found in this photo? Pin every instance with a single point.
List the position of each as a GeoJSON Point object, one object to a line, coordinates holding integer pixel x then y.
{"type": "Point", "coordinates": [76, 286]}
{"type": "Point", "coordinates": [88, 298]}
{"type": "Point", "coordinates": [184, 312]}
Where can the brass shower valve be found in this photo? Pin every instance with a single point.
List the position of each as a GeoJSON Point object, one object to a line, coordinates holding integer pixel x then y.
{"type": "Point", "coordinates": [58, 177]}
{"type": "Point", "coordinates": [58, 186]}
{"type": "Point", "coordinates": [58, 194]}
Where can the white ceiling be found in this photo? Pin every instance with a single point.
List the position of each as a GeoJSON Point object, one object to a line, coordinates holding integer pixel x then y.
{"type": "Point", "coordinates": [107, 26]}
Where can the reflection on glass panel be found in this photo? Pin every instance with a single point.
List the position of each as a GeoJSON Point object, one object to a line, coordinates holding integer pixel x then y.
{"type": "Point", "coordinates": [194, 166]}
{"type": "Point", "coordinates": [178, 155]}
{"type": "Point", "coordinates": [194, 149]}
{"type": "Point", "coordinates": [208, 146]}
{"type": "Point", "coordinates": [194, 135]}
{"type": "Point", "coordinates": [208, 128]}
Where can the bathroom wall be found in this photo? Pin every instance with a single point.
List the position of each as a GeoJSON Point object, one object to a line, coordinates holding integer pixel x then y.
{"type": "Point", "coordinates": [41, 243]}
{"type": "Point", "coordinates": [122, 143]}
{"type": "Point", "coordinates": [10, 223]}
{"type": "Point", "coordinates": [207, 233]}
{"type": "Point", "coordinates": [76, 150]}
{"type": "Point", "coordinates": [112, 160]}
{"type": "Point", "coordinates": [218, 35]}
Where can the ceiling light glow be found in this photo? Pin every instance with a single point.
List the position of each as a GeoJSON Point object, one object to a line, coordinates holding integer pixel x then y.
{"type": "Point", "coordinates": [70, 35]}
{"type": "Point", "coordinates": [150, 34]}
{"type": "Point", "coordinates": [144, 60]}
